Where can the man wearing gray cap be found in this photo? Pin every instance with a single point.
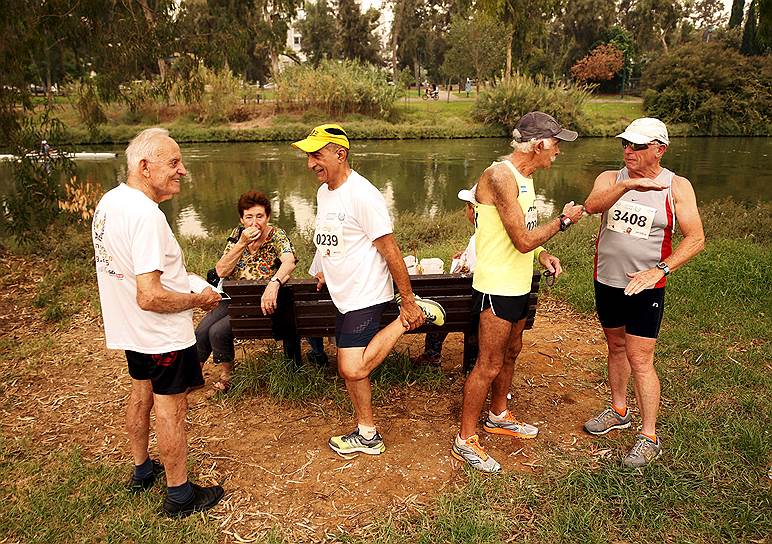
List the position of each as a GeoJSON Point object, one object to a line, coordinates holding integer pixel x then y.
{"type": "Point", "coordinates": [507, 241]}
{"type": "Point", "coordinates": [633, 257]}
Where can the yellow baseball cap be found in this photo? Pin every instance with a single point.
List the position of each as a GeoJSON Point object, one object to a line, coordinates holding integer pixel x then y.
{"type": "Point", "coordinates": [321, 136]}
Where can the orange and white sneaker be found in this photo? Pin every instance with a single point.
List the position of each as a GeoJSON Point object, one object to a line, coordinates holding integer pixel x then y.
{"type": "Point", "coordinates": [471, 452]}
{"type": "Point", "coordinates": [509, 426]}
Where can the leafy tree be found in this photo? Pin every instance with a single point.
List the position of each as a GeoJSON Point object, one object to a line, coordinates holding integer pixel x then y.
{"type": "Point", "coordinates": [653, 22]}
{"type": "Point", "coordinates": [473, 48]}
{"type": "Point", "coordinates": [750, 45]}
{"type": "Point", "coordinates": [757, 34]}
{"type": "Point", "coordinates": [586, 21]}
{"type": "Point", "coordinates": [356, 38]}
{"type": "Point", "coordinates": [316, 31]}
{"type": "Point", "coordinates": [602, 64]}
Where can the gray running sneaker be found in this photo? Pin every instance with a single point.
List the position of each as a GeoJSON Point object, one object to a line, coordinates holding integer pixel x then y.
{"type": "Point", "coordinates": [356, 443]}
{"type": "Point", "coordinates": [474, 455]}
{"type": "Point", "coordinates": [606, 421]}
{"type": "Point", "coordinates": [643, 452]}
{"type": "Point", "coordinates": [510, 427]}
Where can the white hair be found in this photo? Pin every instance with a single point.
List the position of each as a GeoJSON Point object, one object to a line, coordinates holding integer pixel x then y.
{"type": "Point", "coordinates": [527, 147]}
{"type": "Point", "coordinates": [143, 147]}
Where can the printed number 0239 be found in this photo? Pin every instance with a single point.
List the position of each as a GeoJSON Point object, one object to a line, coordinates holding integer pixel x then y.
{"type": "Point", "coordinates": [326, 239]}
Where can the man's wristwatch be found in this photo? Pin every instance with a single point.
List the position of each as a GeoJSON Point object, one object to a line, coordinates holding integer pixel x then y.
{"type": "Point", "coordinates": [565, 222]}
{"type": "Point", "coordinates": [664, 267]}
{"type": "Point", "coordinates": [277, 280]}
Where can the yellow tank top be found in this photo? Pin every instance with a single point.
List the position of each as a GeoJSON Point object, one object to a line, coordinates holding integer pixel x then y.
{"type": "Point", "coordinates": [501, 269]}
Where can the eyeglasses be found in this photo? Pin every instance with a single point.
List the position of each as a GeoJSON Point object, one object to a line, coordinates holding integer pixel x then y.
{"type": "Point", "coordinates": [637, 147]}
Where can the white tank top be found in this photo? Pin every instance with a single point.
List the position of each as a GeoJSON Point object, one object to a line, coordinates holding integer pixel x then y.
{"type": "Point", "coordinates": [635, 233]}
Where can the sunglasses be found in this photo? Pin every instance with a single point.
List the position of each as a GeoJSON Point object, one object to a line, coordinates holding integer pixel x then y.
{"type": "Point", "coordinates": [637, 147]}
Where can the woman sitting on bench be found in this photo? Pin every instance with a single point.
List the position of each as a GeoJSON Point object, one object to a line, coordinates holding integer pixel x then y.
{"type": "Point", "coordinates": [255, 250]}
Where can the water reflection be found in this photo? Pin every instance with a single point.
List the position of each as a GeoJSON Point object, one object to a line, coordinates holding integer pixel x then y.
{"type": "Point", "coordinates": [423, 176]}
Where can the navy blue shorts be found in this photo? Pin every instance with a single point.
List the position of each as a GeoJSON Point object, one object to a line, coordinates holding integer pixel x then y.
{"type": "Point", "coordinates": [169, 373]}
{"type": "Point", "coordinates": [640, 315]}
{"type": "Point", "coordinates": [356, 329]}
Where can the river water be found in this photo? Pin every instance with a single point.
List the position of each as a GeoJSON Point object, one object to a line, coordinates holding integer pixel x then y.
{"type": "Point", "coordinates": [423, 176]}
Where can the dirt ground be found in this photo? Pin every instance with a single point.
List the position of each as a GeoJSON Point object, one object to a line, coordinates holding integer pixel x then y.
{"type": "Point", "coordinates": [272, 457]}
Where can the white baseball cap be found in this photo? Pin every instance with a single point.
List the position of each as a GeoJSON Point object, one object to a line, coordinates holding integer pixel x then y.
{"type": "Point", "coordinates": [645, 130]}
{"type": "Point", "coordinates": [468, 195]}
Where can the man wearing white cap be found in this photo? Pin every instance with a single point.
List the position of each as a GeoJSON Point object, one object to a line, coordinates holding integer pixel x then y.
{"type": "Point", "coordinates": [463, 263]}
{"type": "Point", "coordinates": [357, 257]}
{"type": "Point", "coordinates": [633, 257]}
{"type": "Point", "coordinates": [508, 239]}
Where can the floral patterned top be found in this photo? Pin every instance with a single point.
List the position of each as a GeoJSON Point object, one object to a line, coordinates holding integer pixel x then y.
{"type": "Point", "coordinates": [264, 262]}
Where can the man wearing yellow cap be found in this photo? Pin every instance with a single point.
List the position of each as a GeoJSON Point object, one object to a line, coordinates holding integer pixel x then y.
{"type": "Point", "coordinates": [357, 257]}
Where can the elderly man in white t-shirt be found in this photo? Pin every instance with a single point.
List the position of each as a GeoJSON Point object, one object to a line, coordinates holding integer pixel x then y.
{"type": "Point", "coordinates": [147, 311]}
{"type": "Point", "coordinates": [357, 257]}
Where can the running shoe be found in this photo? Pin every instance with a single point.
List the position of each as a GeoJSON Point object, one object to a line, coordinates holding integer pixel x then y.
{"type": "Point", "coordinates": [606, 421]}
{"type": "Point", "coordinates": [510, 427]}
{"type": "Point", "coordinates": [643, 452]}
{"type": "Point", "coordinates": [356, 443]}
{"type": "Point", "coordinates": [472, 453]}
{"type": "Point", "coordinates": [137, 485]}
{"type": "Point", "coordinates": [433, 312]}
{"type": "Point", "coordinates": [203, 498]}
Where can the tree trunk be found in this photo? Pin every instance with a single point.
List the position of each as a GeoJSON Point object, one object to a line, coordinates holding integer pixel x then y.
{"type": "Point", "coordinates": [417, 72]}
{"type": "Point", "coordinates": [508, 69]}
{"type": "Point", "coordinates": [150, 18]}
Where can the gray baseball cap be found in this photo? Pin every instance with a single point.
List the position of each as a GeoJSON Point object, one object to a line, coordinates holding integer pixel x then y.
{"type": "Point", "coordinates": [537, 125]}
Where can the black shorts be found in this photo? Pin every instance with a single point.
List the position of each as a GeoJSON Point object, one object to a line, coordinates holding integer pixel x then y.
{"type": "Point", "coordinates": [356, 329]}
{"type": "Point", "coordinates": [169, 373]}
{"type": "Point", "coordinates": [513, 309]}
{"type": "Point", "coordinates": [640, 315]}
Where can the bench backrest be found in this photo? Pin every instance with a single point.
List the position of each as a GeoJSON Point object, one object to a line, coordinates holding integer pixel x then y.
{"type": "Point", "coordinates": [313, 312]}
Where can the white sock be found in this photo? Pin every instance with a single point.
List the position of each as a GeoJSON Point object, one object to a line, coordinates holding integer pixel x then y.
{"type": "Point", "coordinates": [460, 441]}
{"type": "Point", "coordinates": [497, 417]}
{"type": "Point", "coordinates": [366, 431]}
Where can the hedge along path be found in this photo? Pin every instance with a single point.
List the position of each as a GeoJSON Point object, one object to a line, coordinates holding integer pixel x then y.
{"type": "Point", "coordinates": [272, 457]}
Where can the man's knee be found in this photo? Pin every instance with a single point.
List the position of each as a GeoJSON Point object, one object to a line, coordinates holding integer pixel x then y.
{"type": "Point", "coordinates": [352, 371]}
{"type": "Point", "coordinates": [488, 366]}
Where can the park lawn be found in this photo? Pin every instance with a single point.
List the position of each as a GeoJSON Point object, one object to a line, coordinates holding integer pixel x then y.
{"type": "Point", "coordinates": [411, 119]}
{"type": "Point", "coordinates": [709, 486]}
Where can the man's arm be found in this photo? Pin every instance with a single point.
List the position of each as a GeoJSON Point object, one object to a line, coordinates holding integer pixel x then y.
{"type": "Point", "coordinates": [505, 193]}
{"type": "Point", "coordinates": [411, 315]}
{"type": "Point", "coordinates": [153, 297]}
{"type": "Point", "coordinates": [688, 216]}
{"type": "Point", "coordinates": [606, 191]}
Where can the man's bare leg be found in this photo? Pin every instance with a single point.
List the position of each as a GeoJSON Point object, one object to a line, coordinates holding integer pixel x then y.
{"type": "Point", "coordinates": [618, 366]}
{"type": "Point", "coordinates": [170, 411]}
{"type": "Point", "coordinates": [138, 419]}
{"type": "Point", "coordinates": [356, 364]}
{"type": "Point", "coordinates": [494, 336]}
{"type": "Point", "coordinates": [503, 382]}
{"type": "Point", "coordinates": [640, 353]}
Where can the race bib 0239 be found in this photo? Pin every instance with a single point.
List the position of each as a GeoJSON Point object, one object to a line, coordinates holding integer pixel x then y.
{"type": "Point", "coordinates": [632, 219]}
{"type": "Point", "coordinates": [328, 239]}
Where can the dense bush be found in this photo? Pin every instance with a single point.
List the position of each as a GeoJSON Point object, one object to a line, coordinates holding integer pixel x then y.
{"type": "Point", "coordinates": [335, 88]}
{"type": "Point", "coordinates": [507, 102]}
{"type": "Point", "coordinates": [713, 88]}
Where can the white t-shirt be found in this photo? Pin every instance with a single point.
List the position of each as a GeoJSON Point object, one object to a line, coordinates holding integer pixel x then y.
{"type": "Point", "coordinates": [131, 237]}
{"type": "Point", "coordinates": [348, 219]}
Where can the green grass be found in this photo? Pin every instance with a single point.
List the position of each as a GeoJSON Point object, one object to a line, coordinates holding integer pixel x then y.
{"type": "Point", "coordinates": [61, 497]}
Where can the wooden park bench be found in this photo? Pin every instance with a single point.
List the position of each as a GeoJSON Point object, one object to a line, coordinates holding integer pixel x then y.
{"type": "Point", "coordinates": [305, 312]}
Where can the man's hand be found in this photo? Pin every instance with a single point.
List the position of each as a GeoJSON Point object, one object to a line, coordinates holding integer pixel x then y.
{"type": "Point", "coordinates": [209, 299]}
{"type": "Point", "coordinates": [644, 184]}
{"type": "Point", "coordinates": [573, 211]}
{"type": "Point", "coordinates": [551, 263]}
{"type": "Point", "coordinates": [319, 280]}
{"type": "Point", "coordinates": [643, 280]}
{"type": "Point", "coordinates": [411, 315]}
{"type": "Point", "coordinates": [268, 300]}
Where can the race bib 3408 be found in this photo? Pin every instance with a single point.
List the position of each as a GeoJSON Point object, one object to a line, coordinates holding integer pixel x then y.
{"type": "Point", "coordinates": [632, 219]}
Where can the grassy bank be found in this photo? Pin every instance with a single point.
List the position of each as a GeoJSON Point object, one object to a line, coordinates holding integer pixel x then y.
{"type": "Point", "coordinates": [411, 120]}
{"type": "Point", "coordinates": [713, 359]}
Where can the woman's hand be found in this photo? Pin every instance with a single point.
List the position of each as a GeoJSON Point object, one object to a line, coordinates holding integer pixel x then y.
{"type": "Point", "coordinates": [268, 300]}
{"type": "Point", "coordinates": [249, 235]}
